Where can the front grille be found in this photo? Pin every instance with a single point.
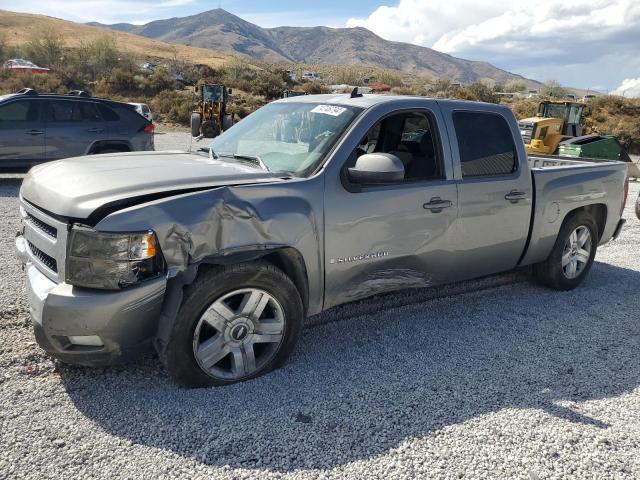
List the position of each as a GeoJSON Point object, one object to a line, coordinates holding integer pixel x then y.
{"type": "Point", "coordinates": [39, 224]}
{"type": "Point", "coordinates": [47, 260]}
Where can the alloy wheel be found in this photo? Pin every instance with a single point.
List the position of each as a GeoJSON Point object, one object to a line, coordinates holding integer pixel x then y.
{"type": "Point", "coordinates": [239, 334]}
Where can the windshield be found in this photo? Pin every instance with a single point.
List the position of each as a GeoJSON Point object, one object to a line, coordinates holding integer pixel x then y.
{"type": "Point", "coordinates": [212, 94]}
{"type": "Point", "coordinates": [287, 137]}
{"type": "Point", "coordinates": [555, 111]}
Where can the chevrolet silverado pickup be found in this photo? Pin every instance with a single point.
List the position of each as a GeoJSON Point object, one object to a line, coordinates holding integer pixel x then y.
{"type": "Point", "coordinates": [215, 257]}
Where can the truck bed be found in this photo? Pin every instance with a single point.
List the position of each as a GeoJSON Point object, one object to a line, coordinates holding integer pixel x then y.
{"type": "Point", "coordinates": [564, 184]}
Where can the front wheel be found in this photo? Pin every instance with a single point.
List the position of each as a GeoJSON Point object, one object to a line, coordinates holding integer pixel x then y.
{"type": "Point", "coordinates": [235, 323]}
{"type": "Point", "coordinates": [572, 256]}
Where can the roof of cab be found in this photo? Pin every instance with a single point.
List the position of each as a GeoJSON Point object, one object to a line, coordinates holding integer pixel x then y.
{"type": "Point", "coordinates": [369, 100]}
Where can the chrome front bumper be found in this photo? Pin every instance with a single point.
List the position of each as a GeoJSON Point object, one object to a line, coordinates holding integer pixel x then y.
{"type": "Point", "coordinates": [87, 326]}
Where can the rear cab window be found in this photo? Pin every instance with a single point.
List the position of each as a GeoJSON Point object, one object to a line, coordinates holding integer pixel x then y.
{"type": "Point", "coordinates": [485, 143]}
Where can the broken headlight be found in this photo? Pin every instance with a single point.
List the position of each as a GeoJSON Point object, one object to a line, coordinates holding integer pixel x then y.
{"type": "Point", "coordinates": [111, 260]}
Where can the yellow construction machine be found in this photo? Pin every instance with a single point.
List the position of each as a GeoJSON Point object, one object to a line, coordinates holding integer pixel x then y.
{"type": "Point", "coordinates": [211, 114]}
{"type": "Point", "coordinates": [555, 122]}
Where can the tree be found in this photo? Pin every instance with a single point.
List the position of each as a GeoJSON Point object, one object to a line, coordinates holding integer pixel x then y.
{"type": "Point", "coordinates": [553, 89]}
{"type": "Point", "coordinates": [45, 47]}
{"type": "Point", "coordinates": [514, 86]}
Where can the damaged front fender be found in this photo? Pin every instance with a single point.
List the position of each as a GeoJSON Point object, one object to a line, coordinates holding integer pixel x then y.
{"type": "Point", "coordinates": [227, 225]}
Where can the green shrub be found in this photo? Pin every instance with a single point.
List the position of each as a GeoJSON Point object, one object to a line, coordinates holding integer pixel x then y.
{"type": "Point", "coordinates": [11, 82]}
{"type": "Point", "coordinates": [515, 85]}
{"type": "Point", "coordinates": [269, 85]}
{"type": "Point", "coordinates": [173, 106]}
{"type": "Point", "coordinates": [314, 88]}
{"type": "Point", "coordinates": [45, 48]}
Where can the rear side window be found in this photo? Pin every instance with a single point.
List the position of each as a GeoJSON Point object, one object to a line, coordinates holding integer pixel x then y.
{"type": "Point", "coordinates": [19, 111]}
{"type": "Point", "coordinates": [485, 143]}
{"type": "Point", "coordinates": [72, 111]}
{"type": "Point", "coordinates": [108, 114]}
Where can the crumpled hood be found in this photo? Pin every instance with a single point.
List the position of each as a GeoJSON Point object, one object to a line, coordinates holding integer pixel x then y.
{"type": "Point", "coordinates": [75, 187]}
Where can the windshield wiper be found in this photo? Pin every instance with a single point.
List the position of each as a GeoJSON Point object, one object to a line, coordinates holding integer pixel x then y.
{"type": "Point", "coordinates": [254, 159]}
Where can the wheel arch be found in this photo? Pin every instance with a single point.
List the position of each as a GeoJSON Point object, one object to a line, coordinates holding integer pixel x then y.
{"type": "Point", "coordinates": [598, 212]}
{"type": "Point", "coordinates": [120, 145]}
{"type": "Point", "coordinates": [287, 259]}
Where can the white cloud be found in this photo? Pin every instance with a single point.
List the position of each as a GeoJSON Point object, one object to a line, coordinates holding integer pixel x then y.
{"type": "Point", "coordinates": [546, 37]}
{"type": "Point", "coordinates": [630, 87]}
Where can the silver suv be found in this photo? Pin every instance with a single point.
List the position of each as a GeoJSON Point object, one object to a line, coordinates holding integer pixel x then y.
{"type": "Point", "coordinates": [36, 128]}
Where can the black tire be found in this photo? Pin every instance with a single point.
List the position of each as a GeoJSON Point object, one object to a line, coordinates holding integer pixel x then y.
{"type": "Point", "coordinates": [210, 129]}
{"type": "Point", "coordinates": [550, 272]}
{"type": "Point", "coordinates": [196, 120]}
{"type": "Point", "coordinates": [212, 284]}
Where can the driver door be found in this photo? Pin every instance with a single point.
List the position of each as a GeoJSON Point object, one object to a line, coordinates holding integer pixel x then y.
{"type": "Point", "coordinates": [381, 238]}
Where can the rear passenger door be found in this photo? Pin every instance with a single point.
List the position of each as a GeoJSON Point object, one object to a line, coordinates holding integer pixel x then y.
{"type": "Point", "coordinates": [72, 127]}
{"type": "Point", "coordinates": [21, 132]}
{"type": "Point", "coordinates": [494, 191]}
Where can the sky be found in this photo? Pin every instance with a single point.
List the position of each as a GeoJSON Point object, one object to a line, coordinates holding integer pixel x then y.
{"type": "Point", "coordinates": [590, 44]}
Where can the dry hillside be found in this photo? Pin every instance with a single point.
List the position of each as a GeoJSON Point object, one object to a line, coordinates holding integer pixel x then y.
{"type": "Point", "coordinates": [17, 27]}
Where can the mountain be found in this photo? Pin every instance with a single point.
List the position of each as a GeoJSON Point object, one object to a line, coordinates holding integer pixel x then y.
{"type": "Point", "coordinates": [17, 28]}
{"type": "Point", "coordinates": [223, 31]}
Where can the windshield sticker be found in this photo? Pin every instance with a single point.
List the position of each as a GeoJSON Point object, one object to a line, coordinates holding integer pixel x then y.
{"type": "Point", "coordinates": [329, 110]}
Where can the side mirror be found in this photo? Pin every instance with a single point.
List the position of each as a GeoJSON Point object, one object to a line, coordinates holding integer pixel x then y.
{"type": "Point", "coordinates": [230, 91]}
{"type": "Point", "coordinates": [377, 168]}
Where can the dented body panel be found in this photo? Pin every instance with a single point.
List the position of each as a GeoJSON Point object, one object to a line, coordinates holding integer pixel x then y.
{"type": "Point", "coordinates": [341, 244]}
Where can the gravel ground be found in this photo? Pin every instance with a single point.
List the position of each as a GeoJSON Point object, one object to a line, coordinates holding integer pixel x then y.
{"type": "Point", "coordinates": [177, 140]}
{"type": "Point", "coordinates": [497, 378]}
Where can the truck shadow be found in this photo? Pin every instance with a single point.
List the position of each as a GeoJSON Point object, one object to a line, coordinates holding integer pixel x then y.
{"type": "Point", "coordinates": [357, 388]}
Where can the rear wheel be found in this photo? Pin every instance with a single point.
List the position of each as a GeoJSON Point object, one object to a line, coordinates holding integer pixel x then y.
{"type": "Point", "coordinates": [573, 253]}
{"type": "Point", "coordinates": [196, 120]}
{"type": "Point", "coordinates": [235, 323]}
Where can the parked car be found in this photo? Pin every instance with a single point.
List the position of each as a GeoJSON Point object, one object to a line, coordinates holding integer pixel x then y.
{"type": "Point", "coordinates": [310, 76]}
{"type": "Point", "coordinates": [148, 67]}
{"type": "Point", "coordinates": [36, 128]}
{"type": "Point", "coordinates": [144, 110]}
{"type": "Point", "coordinates": [22, 65]}
{"type": "Point", "coordinates": [216, 257]}
{"type": "Point", "coordinates": [638, 207]}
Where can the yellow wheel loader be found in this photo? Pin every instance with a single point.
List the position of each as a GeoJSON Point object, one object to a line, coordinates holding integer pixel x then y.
{"type": "Point", "coordinates": [558, 130]}
{"type": "Point", "coordinates": [211, 116]}
{"type": "Point", "coordinates": [555, 122]}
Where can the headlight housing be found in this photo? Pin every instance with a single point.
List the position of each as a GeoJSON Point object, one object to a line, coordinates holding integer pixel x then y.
{"type": "Point", "coordinates": [111, 261]}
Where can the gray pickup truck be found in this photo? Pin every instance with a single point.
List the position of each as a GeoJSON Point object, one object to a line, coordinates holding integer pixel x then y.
{"type": "Point", "coordinates": [215, 257]}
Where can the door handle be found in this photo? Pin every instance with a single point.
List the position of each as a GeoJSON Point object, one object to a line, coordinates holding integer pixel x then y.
{"type": "Point", "coordinates": [95, 130]}
{"type": "Point", "coordinates": [34, 132]}
{"type": "Point", "coordinates": [436, 204]}
{"type": "Point", "coordinates": [514, 196]}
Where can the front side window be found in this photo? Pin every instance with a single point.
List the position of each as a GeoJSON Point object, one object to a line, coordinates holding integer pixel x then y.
{"type": "Point", "coordinates": [19, 111]}
{"type": "Point", "coordinates": [410, 136]}
{"type": "Point", "coordinates": [286, 137]}
{"type": "Point", "coordinates": [485, 144]}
